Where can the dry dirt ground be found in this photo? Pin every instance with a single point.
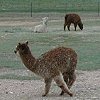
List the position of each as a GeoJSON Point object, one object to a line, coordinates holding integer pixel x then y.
{"type": "Point", "coordinates": [86, 87]}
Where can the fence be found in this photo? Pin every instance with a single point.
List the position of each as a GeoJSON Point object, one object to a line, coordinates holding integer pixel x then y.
{"type": "Point", "coordinates": [31, 6]}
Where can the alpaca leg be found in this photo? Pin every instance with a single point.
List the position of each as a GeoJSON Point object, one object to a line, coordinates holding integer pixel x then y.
{"type": "Point", "coordinates": [72, 74]}
{"type": "Point", "coordinates": [69, 79]}
{"type": "Point", "coordinates": [65, 26]}
{"type": "Point", "coordinates": [72, 78]}
{"type": "Point", "coordinates": [66, 79]}
{"type": "Point", "coordinates": [47, 86]}
{"type": "Point", "coordinates": [75, 25]}
{"type": "Point", "coordinates": [68, 26]}
{"type": "Point", "coordinates": [61, 83]}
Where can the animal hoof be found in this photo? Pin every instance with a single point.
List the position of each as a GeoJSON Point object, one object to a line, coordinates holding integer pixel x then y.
{"type": "Point", "coordinates": [62, 93]}
{"type": "Point", "coordinates": [71, 94]}
{"type": "Point", "coordinates": [43, 95]}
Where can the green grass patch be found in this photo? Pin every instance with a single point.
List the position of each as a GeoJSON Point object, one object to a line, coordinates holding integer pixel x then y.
{"type": "Point", "coordinates": [86, 43]}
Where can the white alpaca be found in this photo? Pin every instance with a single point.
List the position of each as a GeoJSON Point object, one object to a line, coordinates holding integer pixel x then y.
{"type": "Point", "coordinates": [42, 27]}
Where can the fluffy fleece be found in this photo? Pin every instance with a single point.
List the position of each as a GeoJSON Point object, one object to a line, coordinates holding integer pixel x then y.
{"type": "Point", "coordinates": [73, 18]}
{"type": "Point", "coordinates": [42, 28]}
{"type": "Point", "coordinates": [58, 64]}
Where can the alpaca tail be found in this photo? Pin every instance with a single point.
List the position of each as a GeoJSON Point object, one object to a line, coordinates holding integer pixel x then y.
{"type": "Point", "coordinates": [66, 17]}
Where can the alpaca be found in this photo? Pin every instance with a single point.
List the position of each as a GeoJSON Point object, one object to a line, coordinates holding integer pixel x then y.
{"type": "Point", "coordinates": [58, 64]}
{"type": "Point", "coordinates": [73, 18]}
{"type": "Point", "coordinates": [42, 27]}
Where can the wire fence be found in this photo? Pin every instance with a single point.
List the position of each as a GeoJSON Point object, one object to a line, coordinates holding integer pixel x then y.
{"type": "Point", "coordinates": [37, 6]}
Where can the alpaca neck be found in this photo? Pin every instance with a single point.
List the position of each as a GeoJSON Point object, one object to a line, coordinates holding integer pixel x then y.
{"type": "Point", "coordinates": [45, 23]}
{"type": "Point", "coordinates": [28, 61]}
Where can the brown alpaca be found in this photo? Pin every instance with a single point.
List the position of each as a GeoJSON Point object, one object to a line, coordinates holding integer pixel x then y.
{"type": "Point", "coordinates": [58, 64]}
{"type": "Point", "coordinates": [73, 18]}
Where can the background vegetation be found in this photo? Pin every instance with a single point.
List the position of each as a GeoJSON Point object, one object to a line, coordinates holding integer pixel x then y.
{"type": "Point", "coordinates": [48, 5]}
{"type": "Point", "coordinates": [86, 43]}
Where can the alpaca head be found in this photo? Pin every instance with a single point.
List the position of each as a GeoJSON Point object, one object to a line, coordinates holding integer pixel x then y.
{"type": "Point", "coordinates": [22, 48]}
{"type": "Point", "coordinates": [45, 20]}
{"type": "Point", "coordinates": [80, 26]}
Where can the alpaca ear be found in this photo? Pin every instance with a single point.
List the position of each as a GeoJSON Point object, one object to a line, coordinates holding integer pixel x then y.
{"type": "Point", "coordinates": [19, 43]}
{"type": "Point", "coordinates": [26, 42]}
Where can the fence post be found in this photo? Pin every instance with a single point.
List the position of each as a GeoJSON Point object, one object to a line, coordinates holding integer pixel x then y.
{"type": "Point", "coordinates": [31, 9]}
{"type": "Point", "coordinates": [98, 7]}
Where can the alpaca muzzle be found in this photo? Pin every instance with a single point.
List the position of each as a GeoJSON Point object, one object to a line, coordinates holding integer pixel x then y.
{"type": "Point", "coordinates": [15, 51]}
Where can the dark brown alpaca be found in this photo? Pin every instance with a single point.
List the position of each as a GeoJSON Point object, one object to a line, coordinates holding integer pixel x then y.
{"type": "Point", "coordinates": [58, 64]}
{"type": "Point", "coordinates": [73, 18]}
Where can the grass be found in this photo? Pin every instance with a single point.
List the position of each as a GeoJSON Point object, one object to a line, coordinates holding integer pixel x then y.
{"type": "Point", "coordinates": [86, 43]}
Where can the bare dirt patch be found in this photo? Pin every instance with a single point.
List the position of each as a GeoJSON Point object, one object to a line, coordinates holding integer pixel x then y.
{"type": "Point", "coordinates": [86, 87]}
